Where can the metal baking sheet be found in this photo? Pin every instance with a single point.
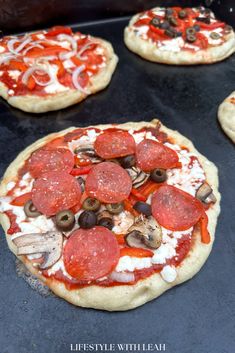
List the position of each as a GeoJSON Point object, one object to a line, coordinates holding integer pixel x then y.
{"type": "Point", "coordinates": [195, 317]}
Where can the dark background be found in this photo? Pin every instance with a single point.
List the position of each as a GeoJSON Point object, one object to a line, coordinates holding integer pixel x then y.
{"type": "Point", "coordinates": [18, 15]}
{"type": "Point", "coordinates": [196, 317]}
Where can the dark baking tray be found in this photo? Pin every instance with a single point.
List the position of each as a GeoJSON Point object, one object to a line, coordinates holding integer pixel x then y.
{"type": "Point", "coordinates": [196, 317]}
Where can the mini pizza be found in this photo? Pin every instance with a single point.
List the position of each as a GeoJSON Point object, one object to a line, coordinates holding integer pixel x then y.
{"type": "Point", "coordinates": [226, 116]}
{"type": "Point", "coordinates": [111, 216]}
{"type": "Point", "coordinates": [53, 69]}
{"type": "Point", "coordinates": [180, 36]}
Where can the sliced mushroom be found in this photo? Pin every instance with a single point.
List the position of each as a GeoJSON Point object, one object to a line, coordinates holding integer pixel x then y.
{"type": "Point", "coordinates": [48, 244]}
{"type": "Point", "coordinates": [87, 152]}
{"type": "Point", "coordinates": [138, 177]}
{"type": "Point", "coordinates": [144, 233]}
{"type": "Point", "coordinates": [205, 193]}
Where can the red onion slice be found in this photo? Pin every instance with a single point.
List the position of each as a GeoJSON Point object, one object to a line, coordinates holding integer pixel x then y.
{"type": "Point", "coordinates": [10, 45]}
{"type": "Point", "coordinates": [72, 41]}
{"type": "Point", "coordinates": [123, 277]}
{"type": "Point", "coordinates": [75, 75]}
{"type": "Point", "coordinates": [36, 45]}
{"type": "Point", "coordinates": [34, 68]}
{"type": "Point", "coordinates": [6, 58]}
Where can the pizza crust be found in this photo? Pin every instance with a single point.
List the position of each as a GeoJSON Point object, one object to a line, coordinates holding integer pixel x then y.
{"type": "Point", "coordinates": [226, 116]}
{"type": "Point", "coordinates": [124, 297]}
{"type": "Point", "coordinates": [148, 50]}
{"type": "Point", "coordinates": [40, 104]}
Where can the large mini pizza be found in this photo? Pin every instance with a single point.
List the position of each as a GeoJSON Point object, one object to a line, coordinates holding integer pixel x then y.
{"type": "Point", "coordinates": [111, 216]}
{"type": "Point", "coordinates": [53, 69]}
{"type": "Point", "coordinates": [226, 116]}
{"type": "Point", "coordinates": [180, 36]}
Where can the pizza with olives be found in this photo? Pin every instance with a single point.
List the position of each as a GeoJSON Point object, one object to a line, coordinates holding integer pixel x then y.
{"type": "Point", "coordinates": [226, 116]}
{"type": "Point", "coordinates": [111, 216]}
{"type": "Point", "coordinates": [53, 69]}
{"type": "Point", "coordinates": [180, 36]}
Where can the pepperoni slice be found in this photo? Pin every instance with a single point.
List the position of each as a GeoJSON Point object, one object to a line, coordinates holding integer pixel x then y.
{"type": "Point", "coordinates": [175, 209]}
{"type": "Point", "coordinates": [108, 182]}
{"type": "Point", "coordinates": [46, 160]}
{"type": "Point", "coordinates": [152, 154]}
{"type": "Point", "coordinates": [54, 192]}
{"type": "Point", "coordinates": [90, 254]}
{"type": "Point", "coordinates": [113, 144]}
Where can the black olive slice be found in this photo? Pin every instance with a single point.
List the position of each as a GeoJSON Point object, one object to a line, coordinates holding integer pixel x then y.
{"type": "Point", "coordinates": [87, 219]}
{"type": "Point", "coordinates": [170, 32]}
{"type": "Point", "coordinates": [190, 30]}
{"type": "Point", "coordinates": [91, 204]}
{"type": "Point", "coordinates": [114, 208]}
{"type": "Point", "coordinates": [182, 14]}
{"type": "Point", "coordinates": [30, 210]}
{"type": "Point", "coordinates": [65, 220]}
{"type": "Point", "coordinates": [164, 25]}
{"type": "Point", "coordinates": [197, 28]}
{"type": "Point", "coordinates": [191, 38]}
{"type": "Point", "coordinates": [155, 22]}
{"type": "Point", "coordinates": [143, 207]}
{"type": "Point", "coordinates": [128, 161]}
{"type": "Point", "coordinates": [204, 20]}
{"type": "Point", "coordinates": [214, 35]}
{"type": "Point", "coordinates": [158, 175]}
{"type": "Point", "coordinates": [173, 21]}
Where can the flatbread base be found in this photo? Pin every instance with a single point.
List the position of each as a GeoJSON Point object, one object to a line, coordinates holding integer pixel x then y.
{"type": "Point", "coordinates": [41, 104]}
{"type": "Point", "coordinates": [226, 116]}
{"type": "Point", "coordinates": [124, 297]}
{"type": "Point", "coordinates": [148, 50]}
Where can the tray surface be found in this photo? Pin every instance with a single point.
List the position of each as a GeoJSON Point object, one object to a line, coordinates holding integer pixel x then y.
{"type": "Point", "coordinates": [197, 316]}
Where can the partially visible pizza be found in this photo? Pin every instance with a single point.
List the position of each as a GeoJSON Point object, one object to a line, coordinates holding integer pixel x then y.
{"type": "Point", "coordinates": [226, 116]}
{"type": "Point", "coordinates": [53, 69]}
{"type": "Point", "coordinates": [180, 36]}
{"type": "Point", "coordinates": [111, 216]}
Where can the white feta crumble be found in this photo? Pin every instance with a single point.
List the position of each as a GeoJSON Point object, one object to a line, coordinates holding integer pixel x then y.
{"type": "Point", "coordinates": [173, 45]}
{"type": "Point", "coordinates": [169, 273]}
{"type": "Point", "coordinates": [14, 74]}
{"type": "Point", "coordinates": [129, 263]}
{"type": "Point", "coordinates": [10, 185]}
{"type": "Point", "coordinates": [2, 49]}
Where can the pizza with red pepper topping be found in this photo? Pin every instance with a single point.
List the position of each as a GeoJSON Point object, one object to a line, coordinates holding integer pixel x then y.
{"type": "Point", "coordinates": [226, 116]}
{"type": "Point", "coordinates": [53, 69]}
{"type": "Point", "coordinates": [111, 216]}
{"type": "Point", "coordinates": [180, 36]}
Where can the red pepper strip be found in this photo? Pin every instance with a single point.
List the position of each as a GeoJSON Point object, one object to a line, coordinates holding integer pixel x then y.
{"type": "Point", "coordinates": [52, 50]}
{"type": "Point", "coordinates": [81, 162]}
{"type": "Point", "coordinates": [76, 61]}
{"type": "Point", "coordinates": [31, 84]}
{"type": "Point", "coordinates": [61, 69]}
{"type": "Point", "coordinates": [81, 170]}
{"type": "Point", "coordinates": [160, 32]}
{"type": "Point", "coordinates": [210, 26]}
{"type": "Point", "coordinates": [202, 41]}
{"type": "Point", "coordinates": [150, 188]}
{"type": "Point", "coordinates": [20, 200]}
{"type": "Point", "coordinates": [120, 239]}
{"type": "Point", "coordinates": [205, 235]}
{"type": "Point", "coordinates": [128, 207]}
{"type": "Point", "coordinates": [16, 65]}
{"type": "Point", "coordinates": [58, 30]}
{"type": "Point", "coordinates": [142, 22]}
{"type": "Point", "coordinates": [138, 195]}
{"type": "Point", "coordinates": [136, 252]}
{"type": "Point", "coordinates": [14, 228]}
